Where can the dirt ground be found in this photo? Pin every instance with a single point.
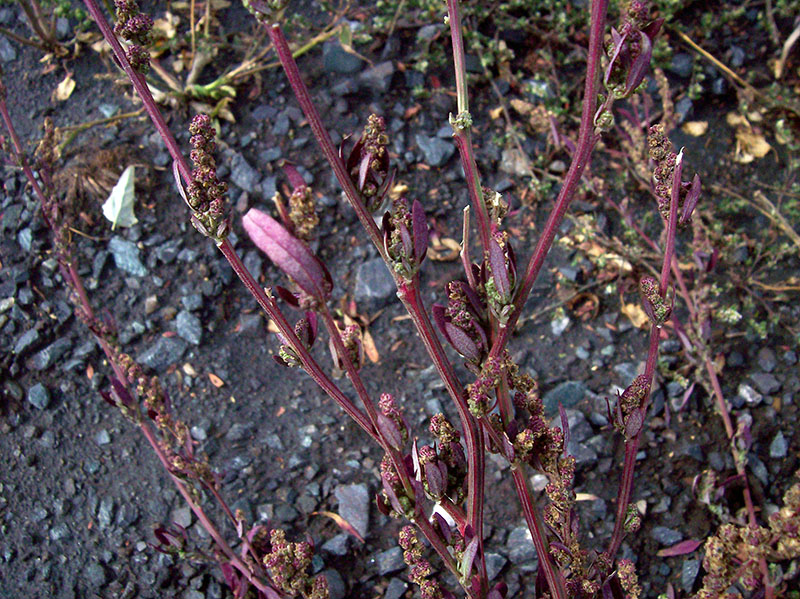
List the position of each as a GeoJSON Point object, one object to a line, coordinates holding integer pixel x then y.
{"type": "Point", "coordinates": [80, 490]}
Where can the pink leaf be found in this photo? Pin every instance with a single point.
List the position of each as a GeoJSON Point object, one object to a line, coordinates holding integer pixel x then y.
{"type": "Point", "coordinates": [682, 548]}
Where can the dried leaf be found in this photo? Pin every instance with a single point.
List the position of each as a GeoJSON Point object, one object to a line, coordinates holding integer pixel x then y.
{"type": "Point", "coordinates": [750, 145]}
{"type": "Point", "coordinates": [695, 128]}
{"type": "Point", "coordinates": [215, 380]}
{"type": "Point", "coordinates": [341, 523]}
{"type": "Point", "coordinates": [496, 113]}
{"type": "Point", "coordinates": [444, 249]}
{"type": "Point", "coordinates": [369, 347]}
{"type": "Point", "coordinates": [64, 89]}
{"type": "Point", "coordinates": [118, 208]}
{"type": "Point", "coordinates": [636, 315]}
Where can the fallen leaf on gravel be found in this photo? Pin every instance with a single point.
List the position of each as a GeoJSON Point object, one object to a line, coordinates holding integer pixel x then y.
{"type": "Point", "coordinates": [695, 128]}
{"type": "Point", "coordinates": [341, 523]}
{"type": "Point", "coordinates": [215, 380]}
{"type": "Point", "coordinates": [635, 314]}
{"type": "Point", "coordinates": [444, 249]}
{"type": "Point", "coordinates": [750, 145]}
{"type": "Point", "coordinates": [65, 88]}
{"type": "Point", "coordinates": [681, 548]}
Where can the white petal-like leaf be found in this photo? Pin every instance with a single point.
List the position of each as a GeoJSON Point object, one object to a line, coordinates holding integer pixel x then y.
{"type": "Point", "coordinates": [118, 208]}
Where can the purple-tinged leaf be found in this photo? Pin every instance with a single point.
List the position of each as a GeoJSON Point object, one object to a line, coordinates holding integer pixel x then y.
{"type": "Point", "coordinates": [691, 200]}
{"type": "Point", "coordinates": [444, 527]}
{"type": "Point", "coordinates": [393, 499]}
{"type": "Point", "coordinates": [288, 253]}
{"type": "Point", "coordinates": [640, 64]}
{"type": "Point", "coordinates": [436, 479]}
{"type": "Point", "coordinates": [498, 591]}
{"type": "Point", "coordinates": [420, 227]}
{"type": "Point", "coordinates": [497, 261]}
{"type": "Point", "coordinates": [120, 393]}
{"type": "Point", "coordinates": [296, 180]}
{"type": "Point", "coordinates": [508, 448]}
{"type": "Point", "coordinates": [564, 425]}
{"type": "Point", "coordinates": [383, 507]}
{"type": "Point", "coordinates": [287, 296]}
{"type": "Point", "coordinates": [653, 28]}
{"type": "Point", "coordinates": [618, 42]}
{"type": "Point", "coordinates": [389, 432]}
{"type": "Point", "coordinates": [363, 171]}
{"type": "Point", "coordinates": [682, 548]}
{"type": "Point", "coordinates": [633, 423]}
{"type": "Point", "coordinates": [461, 342]}
{"type": "Point", "coordinates": [178, 181]}
{"type": "Point", "coordinates": [468, 558]}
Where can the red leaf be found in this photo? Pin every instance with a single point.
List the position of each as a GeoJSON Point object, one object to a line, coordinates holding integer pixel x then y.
{"type": "Point", "coordinates": [681, 548]}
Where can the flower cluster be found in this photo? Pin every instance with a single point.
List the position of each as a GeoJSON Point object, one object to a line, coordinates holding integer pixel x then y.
{"type": "Point", "coordinates": [205, 195]}
{"type": "Point", "coordinates": [134, 27]}
{"type": "Point", "coordinates": [667, 175]}
{"type": "Point", "coordinates": [391, 424]}
{"type": "Point", "coordinates": [421, 569]}
{"type": "Point", "coordinates": [368, 163]}
{"type": "Point", "coordinates": [405, 237]}
{"type": "Point", "coordinates": [460, 323]}
{"type": "Point", "coordinates": [289, 565]}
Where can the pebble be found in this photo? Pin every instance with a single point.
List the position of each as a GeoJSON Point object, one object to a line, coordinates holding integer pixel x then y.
{"type": "Point", "coordinates": [164, 352]}
{"type": "Point", "coordinates": [105, 513]}
{"type": "Point", "coordinates": [102, 437]}
{"type": "Point", "coordinates": [96, 574]}
{"type": "Point", "coordinates": [749, 395]}
{"type": "Point", "coordinates": [188, 327]}
{"type": "Point", "coordinates": [50, 354]}
{"type": "Point", "coordinates": [520, 546]}
{"type": "Point", "coordinates": [193, 301]}
{"type": "Point", "coordinates": [396, 589]}
{"type": "Point", "coordinates": [666, 536]}
{"type": "Point", "coordinates": [25, 341]}
{"type": "Point", "coordinates": [243, 175]}
{"type": "Point", "coordinates": [336, 59]}
{"type": "Point", "coordinates": [568, 394]}
{"type": "Point", "coordinates": [374, 284]}
{"type": "Point", "coordinates": [494, 564]}
{"type": "Point", "coordinates": [765, 382]}
{"type": "Point", "coordinates": [689, 571]}
{"type": "Point", "coordinates": [681, 64]}
{"type": "Point", "coordinates": [337, 545]}
{"type": "Point", "coordinates": [388, 561]}
{"type": "Point", "coordinates": [779, 447]}
{"type": "Point", "coordinates": [39, 396]}
{"type": "Point", "coordinates": [336, 586]}
{"type": "Point", "coordinates": [559, 325]}
{"type": "Point", "coordinates": [436, 151]}
{"type": "Point", "coordinates": [7, 51]}
{"type": "Point", "coordinates": [354, 504]}
{"type": "Point", "coordinates": [126, 256]}
{"type": "Point", "coordinates": [378, 78]}
{"type": "Point", "coordinates": [766, 359]}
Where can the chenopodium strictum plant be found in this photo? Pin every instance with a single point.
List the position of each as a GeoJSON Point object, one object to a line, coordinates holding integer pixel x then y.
{"type": "Point", "coordinates": [438, 487]}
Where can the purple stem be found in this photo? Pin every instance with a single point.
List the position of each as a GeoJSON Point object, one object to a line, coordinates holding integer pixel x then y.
{"type": "Point", "coordinates": [587, 139]}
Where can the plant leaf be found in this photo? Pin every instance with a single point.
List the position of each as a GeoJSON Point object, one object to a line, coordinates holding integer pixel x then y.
{"type": "Point", "coordinates": [681, 548]}
{"type": "Point", "coordinates": [118, 208]}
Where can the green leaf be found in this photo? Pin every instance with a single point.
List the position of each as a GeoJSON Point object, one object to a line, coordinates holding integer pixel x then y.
{"type": "Point", "coordinates": [118, 208]}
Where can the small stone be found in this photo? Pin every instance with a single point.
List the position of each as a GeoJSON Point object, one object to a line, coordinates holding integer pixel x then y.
{"type": "Point", "coordinates": [354, 503]}
{"type": "Point", "coordinates": [520, 546]}
{"type": "Point", "coordinates": [749, 395]}
{"type": "Point", "coordinates": [105, 513]}
{"type": "Point", "coordinates": [765, 382]}
{"type": "Point", "coordinates": [388, 561]}
{"type": "Point", "coordinates": [182, 516]}
{"type": "Point", "coordinates": [50, 354]}
{"type": "Point", "coordinates": [337, 545]}
{"type": "Point", "coordinates": [396, 589]}
{"type": "Point", "coordinates": [338, 60]}
{"type": "Point", "coordinates": [102, 437]}
{"type": "Point", "coordinates": [193, 301]}
{"type": "Point", "coordinates": [559, 325]}
{"type": "Point", "coordinates": [60, 532]}
{"type": "Point", "coordinates": [494, 563]}
{"type": "Point", "coordinates": [378, 78]}
{"type": "Point", "coordinates": [766, 359]}
{"type": "Point", "coordinates": [666, 536]}
{"type": "Point", "coordinates": [188, 327]}
{"type": "Point", "coordinates": [126, 256]}
{"type": "Point", "coordinates": [779, 447]}
{"type": "Point", "coordinates": [164, 352]}
{"type": "Point", "coordinates": [436, 151]}
{"type": "Point", "coordinates": [95, 573]}
{"type": "Point", "coordinates": [7, 51]}
{"type": "Point", "coordinates": [26, 341]}
{"type": "Point", "coordinates": [374, 284]}
{"type": "Point", "coordinates": [150, 304]}
{"type": "Point", "coordinates": [39, 396]}
{"type": "Point", "coordinates": [681, 64]}
{"type": "Point", "coordinates": [243, 175]}
{"type": "Point", "coordinates": [689, 571]}
{"type": "Point", "coordinates": [568, 394]}
{"type": "Point", "coordinates": [336, 586]}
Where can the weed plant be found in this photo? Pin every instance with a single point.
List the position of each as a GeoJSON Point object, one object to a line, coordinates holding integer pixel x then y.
{"type": "Point", "coordinates": [438, 489]}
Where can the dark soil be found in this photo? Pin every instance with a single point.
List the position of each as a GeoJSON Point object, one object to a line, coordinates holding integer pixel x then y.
{"type": "Point", "coordinates": [81, 492]}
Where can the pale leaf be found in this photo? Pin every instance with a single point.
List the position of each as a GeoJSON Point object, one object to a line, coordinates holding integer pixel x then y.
{"type": "Point", "coordinates": [695, 128]}
{"type": "Point", "coordinates": [635, 314]}
{"type": "Point", "coordinates": [118, 208]}
{"type": "Point", "coordinates": [65, 88]}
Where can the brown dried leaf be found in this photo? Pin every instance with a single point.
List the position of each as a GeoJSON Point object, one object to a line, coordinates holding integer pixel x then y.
{"type": "Point", "coordinates": [444, 249]}
{"type": "Point", "coordinates": [750, 145]}
{"type": "Point", "coordinates": [695, 128]}
{"type": "Point", "coordinates": [369, 347]}
{"type": "Point", "coordinates": [635, 314]}
{"type": "Point", "coordinates": [64, 89]}
{"type": "Point", "coordinates": [341, 523]}
{"type": "Point", "coordinates": [215, 380]}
